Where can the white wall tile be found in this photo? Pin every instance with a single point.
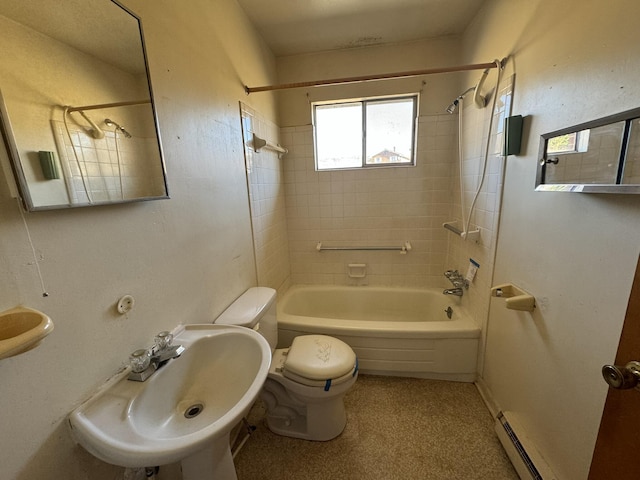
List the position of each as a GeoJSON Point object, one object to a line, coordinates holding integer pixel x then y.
{"type": "Point", "coordinates": [266, 174]}
{"type": "Point", "coordinates": [386, 206]}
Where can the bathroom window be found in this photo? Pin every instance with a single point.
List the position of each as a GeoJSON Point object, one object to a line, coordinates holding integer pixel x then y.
{"type": "Point", "coordinates": [575, 142]}
{"type": "Point", "coordinates": [365, 133]}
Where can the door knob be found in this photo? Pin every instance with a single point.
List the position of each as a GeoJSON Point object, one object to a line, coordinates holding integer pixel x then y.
{"type": "Point", "coordinates": [622, 378]}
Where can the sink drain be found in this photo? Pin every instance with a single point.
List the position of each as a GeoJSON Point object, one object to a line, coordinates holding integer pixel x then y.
{"type": "Point", "coordinates": [193, 410]}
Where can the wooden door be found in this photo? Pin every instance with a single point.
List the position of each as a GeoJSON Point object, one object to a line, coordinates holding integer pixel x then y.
{"type": "Point", "coordinates": [616, 453]}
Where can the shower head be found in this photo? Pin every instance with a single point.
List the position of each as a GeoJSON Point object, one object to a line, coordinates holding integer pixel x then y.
{"type": "Point", "coordinates": [478, 99]}
{"type": "Point", "coordinates": [110, 123]}
{"type": "Point", "coordinates": [452, 108]}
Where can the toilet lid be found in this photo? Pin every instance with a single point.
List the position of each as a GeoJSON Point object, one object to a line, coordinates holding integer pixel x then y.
{"type": "Point", "coordinates": [319, 357]}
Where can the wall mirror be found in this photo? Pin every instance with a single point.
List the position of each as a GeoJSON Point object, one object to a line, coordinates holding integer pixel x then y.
{"type": "Point", "coordinates": [601, 156]}
{"type": "Point", "coordinates": [76, 109]}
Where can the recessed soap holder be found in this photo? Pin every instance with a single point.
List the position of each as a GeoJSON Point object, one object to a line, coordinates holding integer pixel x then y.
{"type": "Point", "coordinates": [357, 270]}
{"type": "Point", "coordinates": [515, 297]}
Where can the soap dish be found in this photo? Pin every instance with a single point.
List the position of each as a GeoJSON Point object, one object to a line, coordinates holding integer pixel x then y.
{"type": "Point", "coordinates": [515, 297]}
{"type": "Point", "coordinates": [22, 329]}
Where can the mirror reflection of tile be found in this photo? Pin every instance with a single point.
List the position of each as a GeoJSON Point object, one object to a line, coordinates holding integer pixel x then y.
{"type": "Point", "coordinates": [109, 168]}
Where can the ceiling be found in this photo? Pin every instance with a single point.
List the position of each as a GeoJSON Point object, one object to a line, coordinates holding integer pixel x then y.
{"type": "Point", "coordinates": [292, 27]}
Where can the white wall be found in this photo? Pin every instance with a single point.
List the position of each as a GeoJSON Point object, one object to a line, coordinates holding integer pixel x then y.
{"type": "Point", "coordinates": [294, 105]}
{"type": "Point", "coordinates": [183, 259]}
{"type": "Point", "coordinates": [574, 61]}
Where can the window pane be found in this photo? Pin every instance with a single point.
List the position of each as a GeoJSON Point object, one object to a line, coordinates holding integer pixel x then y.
{"type": "Point", "coordinates": [339, 135]}
{"type": "Point", "coordinates": [389, 131]}
{"type": "Point", "coordinates": [563, 143]}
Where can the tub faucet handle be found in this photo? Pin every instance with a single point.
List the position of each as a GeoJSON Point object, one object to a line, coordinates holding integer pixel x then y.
{"type": "Point", "coordinates": [456, 278]}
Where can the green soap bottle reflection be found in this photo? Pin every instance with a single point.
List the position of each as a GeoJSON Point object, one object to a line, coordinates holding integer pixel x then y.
{"type": "Point", "coordinates": [48, 165]}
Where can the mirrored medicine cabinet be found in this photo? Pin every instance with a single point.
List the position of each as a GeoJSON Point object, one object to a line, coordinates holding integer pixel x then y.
{"type": "Point", "coordinates": [601, 156]}
{"type": "Point", "coordinates": [77, 114]}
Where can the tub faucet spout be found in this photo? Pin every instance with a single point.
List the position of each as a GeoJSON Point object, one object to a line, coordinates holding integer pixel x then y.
{"type": "Point", "coordinates": [457, 291]}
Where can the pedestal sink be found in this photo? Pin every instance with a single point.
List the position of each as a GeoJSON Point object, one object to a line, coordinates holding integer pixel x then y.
{"type": "Point", "coordinates": [185, 411]}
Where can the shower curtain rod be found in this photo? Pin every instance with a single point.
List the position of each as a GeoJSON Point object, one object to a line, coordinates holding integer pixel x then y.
{"type": "Point", "coordinates": [368, 78]}
{"type": "Point", "coordinates": [108, 105]}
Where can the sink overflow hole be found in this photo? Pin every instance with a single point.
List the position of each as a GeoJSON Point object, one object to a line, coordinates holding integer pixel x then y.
{"type": "Point", "coordinates": [193, 410]}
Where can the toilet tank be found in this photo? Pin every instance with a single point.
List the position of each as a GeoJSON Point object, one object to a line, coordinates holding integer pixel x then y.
{"type": "Point", "coordinates": [256, 309]}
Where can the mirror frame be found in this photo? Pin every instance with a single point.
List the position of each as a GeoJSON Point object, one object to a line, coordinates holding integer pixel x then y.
{"type": "Point", "coordinates": [9, 140]}
{"type": "Point", "coordinates": [589, 187]}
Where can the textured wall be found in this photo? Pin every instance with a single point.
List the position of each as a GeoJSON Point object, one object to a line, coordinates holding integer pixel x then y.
{"type": "Point", "coordinates": [183, 259]}
{"type": "Point", "coordinates": [574, 62]}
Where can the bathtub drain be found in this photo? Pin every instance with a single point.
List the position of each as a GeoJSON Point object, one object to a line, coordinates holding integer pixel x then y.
{"type": "Point", "coordinates": [194, 410]}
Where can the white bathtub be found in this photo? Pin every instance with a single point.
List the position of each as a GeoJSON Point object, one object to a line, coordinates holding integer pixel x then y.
{"type": "Point", "coordinates": [394, 331]}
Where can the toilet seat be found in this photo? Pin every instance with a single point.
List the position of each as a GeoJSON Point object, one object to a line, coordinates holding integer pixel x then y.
{"type": "Point", "coordinates": [319, 361]}
{"type": "Point", "coordinates": [326, 384]}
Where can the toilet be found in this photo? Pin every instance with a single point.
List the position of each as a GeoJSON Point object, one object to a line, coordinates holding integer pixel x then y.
{"type": "Point", "coordinates": [304, 390]}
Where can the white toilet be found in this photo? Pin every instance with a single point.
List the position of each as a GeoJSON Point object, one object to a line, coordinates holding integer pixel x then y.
{"type": "Point", "coordinates": [305, 388]}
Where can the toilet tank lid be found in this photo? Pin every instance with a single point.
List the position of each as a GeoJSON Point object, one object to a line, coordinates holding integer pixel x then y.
{"type": "Point", "coordinates": [248, 308]}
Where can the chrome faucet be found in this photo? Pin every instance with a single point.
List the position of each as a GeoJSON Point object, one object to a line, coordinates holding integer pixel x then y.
{"type": "Point", "coordinates": [145, 361]}
{"type": "Point", "coordinates": [457, 291]}
{"type": "Point", "coordinates": [459, 283]}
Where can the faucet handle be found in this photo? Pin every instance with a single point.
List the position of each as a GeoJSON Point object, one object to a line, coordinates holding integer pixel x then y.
{"type": "Point", "coordinates": [163, 340]}
{"type": "Point", "coordinates": [140, 360]}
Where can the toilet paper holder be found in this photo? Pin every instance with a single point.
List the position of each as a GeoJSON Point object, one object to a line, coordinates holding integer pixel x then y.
{"type": "Point", "coordinates": [515, 297]}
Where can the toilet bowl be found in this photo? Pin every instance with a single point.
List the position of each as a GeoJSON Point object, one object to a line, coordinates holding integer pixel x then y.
{"type": "Point", "coordinates": [304, 390]}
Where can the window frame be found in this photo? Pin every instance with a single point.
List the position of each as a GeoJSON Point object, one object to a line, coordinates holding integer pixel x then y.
{"type": "Point", "coordinates": [580, 143]}
{"type": "Point", "coordinates": [414, 97]}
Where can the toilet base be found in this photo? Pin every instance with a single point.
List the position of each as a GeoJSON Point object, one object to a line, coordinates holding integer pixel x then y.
{"type": "Point", "coordinates": [309, 413]}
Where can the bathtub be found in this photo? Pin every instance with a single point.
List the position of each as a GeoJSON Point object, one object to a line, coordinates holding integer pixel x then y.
{"type": "Point", "coordinates": [394, 331]}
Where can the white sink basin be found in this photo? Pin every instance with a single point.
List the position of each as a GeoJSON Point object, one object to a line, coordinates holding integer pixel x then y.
{"type": "Point", "coordinates": [185, 411]}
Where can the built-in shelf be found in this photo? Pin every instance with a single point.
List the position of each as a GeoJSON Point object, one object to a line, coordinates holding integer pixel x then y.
{"type": "Point", "coordinates": [472, 235]}
{"type": "Point", "coordinates": [259, 143]}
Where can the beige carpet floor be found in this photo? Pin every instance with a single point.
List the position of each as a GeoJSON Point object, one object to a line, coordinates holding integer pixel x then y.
{"type": "Point", "coordinates": [397, 428]}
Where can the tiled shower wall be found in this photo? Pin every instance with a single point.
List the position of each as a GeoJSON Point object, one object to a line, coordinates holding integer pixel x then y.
{"type": "Point", "coordinates": [267, 202]}
{"type": "Point", "coordinates": [370, 207]}
{"type": "Point", "coordinates": [485, 217]}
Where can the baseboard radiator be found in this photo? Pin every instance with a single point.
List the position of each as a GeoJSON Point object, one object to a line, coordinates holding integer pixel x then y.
{"type": "Point", "coordinates": [523, 455]}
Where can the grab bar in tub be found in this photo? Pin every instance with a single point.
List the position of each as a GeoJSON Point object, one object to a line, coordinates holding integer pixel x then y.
{"type": "Point", "coordinates": [403, 248]}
